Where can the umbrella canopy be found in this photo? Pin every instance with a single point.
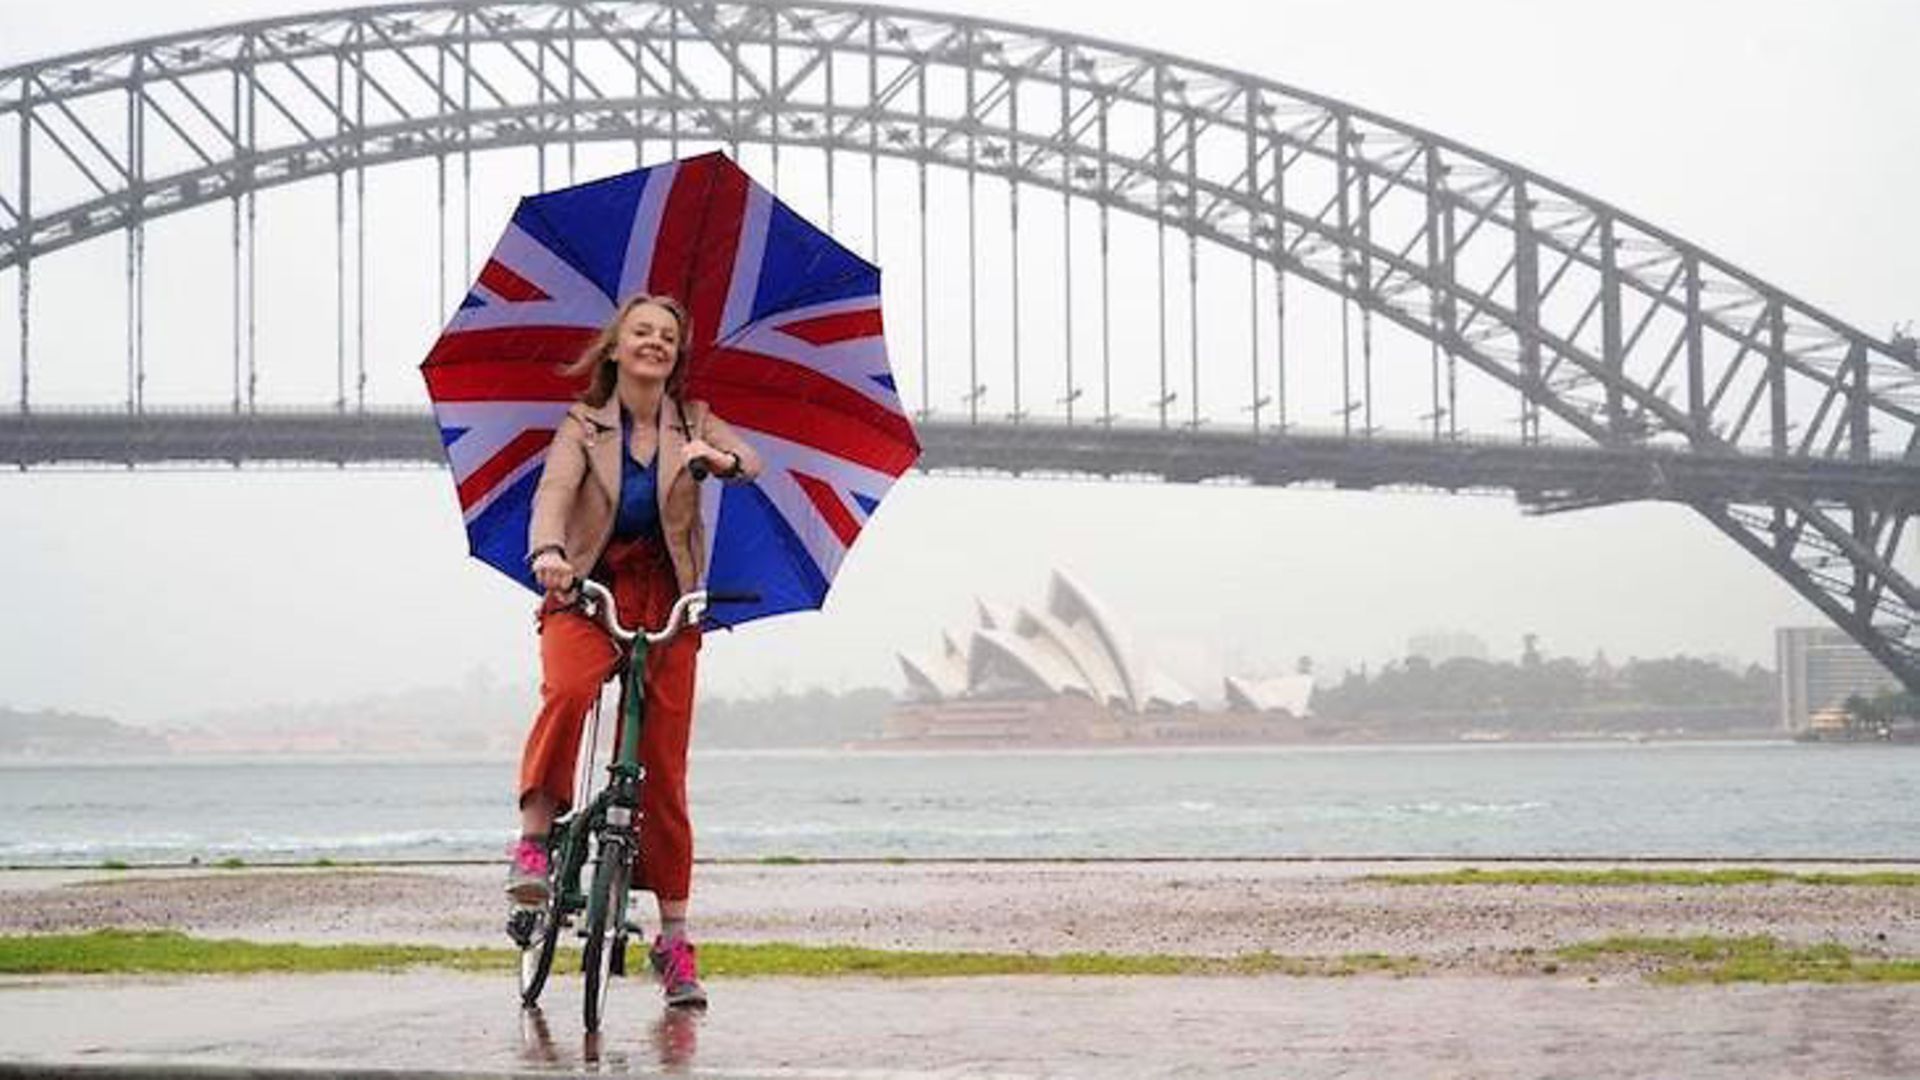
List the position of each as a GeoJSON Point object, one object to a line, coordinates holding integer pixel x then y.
{"type": "Point", "coordinates": [786, 345]}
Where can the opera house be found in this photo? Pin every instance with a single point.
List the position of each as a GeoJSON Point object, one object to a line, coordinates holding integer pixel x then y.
{"type": "Point", "coordinates": [1063, 674]}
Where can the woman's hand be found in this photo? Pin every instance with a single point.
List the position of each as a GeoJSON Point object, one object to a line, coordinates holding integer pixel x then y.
{"type": "Point", "coordinates": [553, 572]}
{"type": "Point", "coordinates": [718, 462]}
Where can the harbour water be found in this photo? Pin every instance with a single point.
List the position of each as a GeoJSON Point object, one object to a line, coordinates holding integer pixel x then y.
{"type": "Point", "coordinates": [1706, 800]}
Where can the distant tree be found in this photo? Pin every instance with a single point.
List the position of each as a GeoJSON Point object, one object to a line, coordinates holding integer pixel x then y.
{"type": "Point", "coordinates": [1557, 683]}
{"type": "Point", "coordinates": [1600, 669]}
{"type": "Point", "coordinates": [1862, 714]}
{"type": "Point", "coordinates": [1683, 680]}
{"type": "Point", "coordinates": [1883, 709]}
{"type": "Point", "coordinates": [1466, 684]}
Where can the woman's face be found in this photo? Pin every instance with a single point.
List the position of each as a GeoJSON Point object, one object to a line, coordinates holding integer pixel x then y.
{"type": "Point", "coordinates": [648, 343]}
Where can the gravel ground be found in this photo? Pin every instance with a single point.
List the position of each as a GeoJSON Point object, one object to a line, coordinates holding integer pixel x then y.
{"type": "Point", "coordinates": [1301, 909]}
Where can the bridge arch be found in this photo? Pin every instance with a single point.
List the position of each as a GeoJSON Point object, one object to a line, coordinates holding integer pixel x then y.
{"type": "Point", "coordinates": [1602, 325]}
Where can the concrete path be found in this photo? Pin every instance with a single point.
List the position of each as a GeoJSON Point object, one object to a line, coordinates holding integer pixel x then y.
{"type": "Point", "coordinates": [1450, 1027]}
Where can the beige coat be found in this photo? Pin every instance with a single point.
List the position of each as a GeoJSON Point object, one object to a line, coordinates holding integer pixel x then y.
{"type": "Point", "coordinates": [579, 491]}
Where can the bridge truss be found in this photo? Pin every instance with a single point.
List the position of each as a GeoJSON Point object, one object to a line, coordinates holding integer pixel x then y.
{"type": "Point", "coordinates": [1616, 360]}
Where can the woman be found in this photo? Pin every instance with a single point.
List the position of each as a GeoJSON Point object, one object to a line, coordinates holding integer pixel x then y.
{"type": "Point", "coordinates": [616, 500]}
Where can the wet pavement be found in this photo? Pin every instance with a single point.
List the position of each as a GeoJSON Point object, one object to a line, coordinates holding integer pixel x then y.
{"type": "Point", "coordinates": [1488, 1028]}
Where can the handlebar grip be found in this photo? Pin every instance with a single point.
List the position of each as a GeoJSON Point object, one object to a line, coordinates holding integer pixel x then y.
{"type": "Point", "coordinates": [733, 597]}
{"type": "Point", "coordinates": [698, 468]}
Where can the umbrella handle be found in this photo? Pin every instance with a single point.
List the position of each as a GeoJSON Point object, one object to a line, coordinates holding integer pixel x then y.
{"type": "Point", "coordinates": [698, 467]}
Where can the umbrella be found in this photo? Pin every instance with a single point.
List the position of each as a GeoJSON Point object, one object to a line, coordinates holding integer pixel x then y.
{"type": "Point", "coordinates": [786, 345]}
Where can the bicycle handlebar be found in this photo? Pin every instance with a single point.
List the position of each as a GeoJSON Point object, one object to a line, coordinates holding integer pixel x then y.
{"type": "Point", "coordinates": [689, 609]}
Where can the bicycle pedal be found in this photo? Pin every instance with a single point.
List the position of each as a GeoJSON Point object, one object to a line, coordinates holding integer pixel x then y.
{"type": "Point", "coordinates": [521, 926]}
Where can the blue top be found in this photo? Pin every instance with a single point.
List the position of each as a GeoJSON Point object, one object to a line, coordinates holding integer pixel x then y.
{"type": "Point", "coordinates": [639, 513]}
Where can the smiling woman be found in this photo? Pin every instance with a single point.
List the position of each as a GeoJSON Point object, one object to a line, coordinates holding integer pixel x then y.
{"type": "Point", "coordinates": [618, 500]}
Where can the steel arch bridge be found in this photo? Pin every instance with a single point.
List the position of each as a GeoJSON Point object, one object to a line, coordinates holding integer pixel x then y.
{"type": "Point", "coordinates": [1468, 323]}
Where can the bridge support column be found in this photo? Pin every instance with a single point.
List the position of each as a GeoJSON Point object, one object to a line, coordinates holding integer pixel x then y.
{"type": "Point", "coordinates": [26, 245]}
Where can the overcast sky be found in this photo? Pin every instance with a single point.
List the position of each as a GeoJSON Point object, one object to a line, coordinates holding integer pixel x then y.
{"type": "Point", "coordinates": [1783, 136]}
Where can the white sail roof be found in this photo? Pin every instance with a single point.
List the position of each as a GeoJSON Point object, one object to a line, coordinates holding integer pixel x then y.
{"type": "Point", "coordinates": [1001, 662]}
{"type": "Point", "coordinates": [993, 616]}
{"type": "Point", "coordinates": [1285, 693]}
{"type": "Point", "coordinates": [1095, 671]}
{"type": "Point", "coordinates": [938, 676]}
{"type": "Point", "coordinates": [932, 677]}
{"type": "Point", "coordinates": [1100, 643]}
{"type": "Point", "coordinates": [1069, 647]}
{"type": "Point", "coordinates": [1160, 690]}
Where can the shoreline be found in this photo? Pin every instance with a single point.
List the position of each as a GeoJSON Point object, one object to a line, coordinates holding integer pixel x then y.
{"type": "Point", "coordinates": [1424, 741]}
{"type": "Point", "coordinates": [1334, 861]}
{"type": "Point", "coordinates": [882, 746]}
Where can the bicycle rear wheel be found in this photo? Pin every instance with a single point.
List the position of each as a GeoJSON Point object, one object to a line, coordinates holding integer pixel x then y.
{"type": "Point", "coordinates": [605, 929]}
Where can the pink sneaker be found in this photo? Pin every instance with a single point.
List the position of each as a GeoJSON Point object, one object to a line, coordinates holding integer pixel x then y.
{"type": "Point", "coordinates": [527, 873]}
{"type": "Point", "coordinates": [673, 961]}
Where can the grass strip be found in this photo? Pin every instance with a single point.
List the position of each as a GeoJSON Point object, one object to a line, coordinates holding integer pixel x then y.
{"type": "Point", "coordinates": [834, 960]}
{"type": "Point", "coordinates": [1704, 959]}
{"type": "Point", "coordinates": [171, 952]}
{"type": "Point", "coordinates": [1759, 958]}
{"type": "Point", "coordinates": [1750, 875]}
{"type": "Point", "coordinates": [103, 952]}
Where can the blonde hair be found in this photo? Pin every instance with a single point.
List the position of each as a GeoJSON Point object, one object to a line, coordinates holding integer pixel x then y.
{"type": "Point", "coordinates": [597, 358]}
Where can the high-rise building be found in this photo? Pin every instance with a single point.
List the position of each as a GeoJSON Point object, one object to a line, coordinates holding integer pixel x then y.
{"type": "Point", "coordinates": [1439, 646]}
{"type": "Point", "coordinates": [1820, 667]}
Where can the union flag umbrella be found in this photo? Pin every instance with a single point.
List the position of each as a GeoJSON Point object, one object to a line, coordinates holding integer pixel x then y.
{"type": "Point", "coordinates": [786, 346]}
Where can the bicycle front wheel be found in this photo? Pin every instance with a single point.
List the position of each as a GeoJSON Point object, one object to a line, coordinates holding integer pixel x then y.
{"type": "Point", "coordinates": [537, 932]}
{"type": "Point", "coordinates": [605, 932]}
{"type": "Point", "coordinates": [537, 929]}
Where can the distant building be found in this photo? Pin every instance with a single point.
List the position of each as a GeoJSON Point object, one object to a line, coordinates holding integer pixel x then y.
{"type": "Point", "coordinates": [1067, 649]}
{"type": "Point", "coordinates": [1820, 667]}
{"type": "Point", "coordinates": [1438, 646]}
{"type": "Point", "coordinates": [1062, 673]}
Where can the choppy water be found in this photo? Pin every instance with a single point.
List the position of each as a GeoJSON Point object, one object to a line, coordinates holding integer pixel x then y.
{"type": "Point", "coordinates": [1732, 800]}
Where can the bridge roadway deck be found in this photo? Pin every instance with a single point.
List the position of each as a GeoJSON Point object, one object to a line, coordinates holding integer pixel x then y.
{"type": "Point", "coordinates": [1546, 476]}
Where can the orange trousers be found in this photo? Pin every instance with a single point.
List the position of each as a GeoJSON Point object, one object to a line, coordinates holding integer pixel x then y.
{"type": "Point", "coordinates": [576, 657]}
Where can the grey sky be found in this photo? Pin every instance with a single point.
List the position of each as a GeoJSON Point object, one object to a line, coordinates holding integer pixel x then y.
{"type": "Point", "coordinates": [1783, 136]}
